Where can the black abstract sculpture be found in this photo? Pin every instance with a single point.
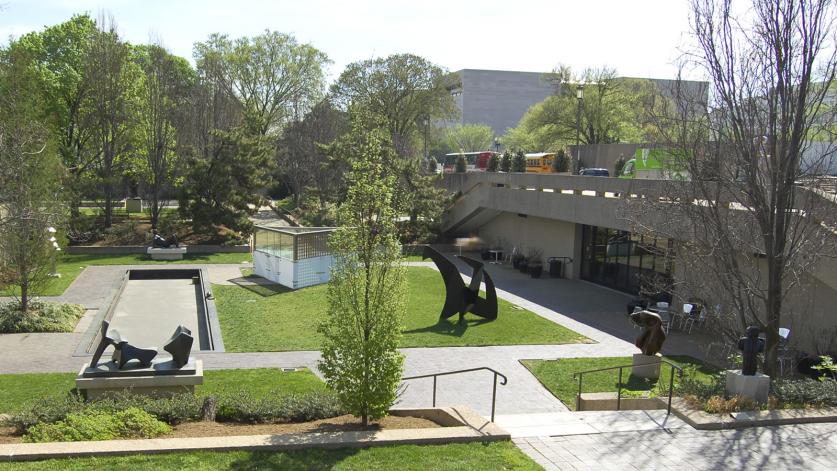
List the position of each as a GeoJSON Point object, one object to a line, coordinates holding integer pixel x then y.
{"type": "Point", "coordinates": [179, 346]}
{"type": "Point", "coordinates": [458, 297]}
{"type": "Point", "coordinates": [123, 351]}
{"type": "Point", "coordinates": [650, 341]}
{"type": "Point", "coordinates": [159, 242]}
{"type": "Point", "coordinates": [750, 345]}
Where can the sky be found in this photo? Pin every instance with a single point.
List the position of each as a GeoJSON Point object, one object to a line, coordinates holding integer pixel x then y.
{"type": "Point", "coordinates": [639, 38]}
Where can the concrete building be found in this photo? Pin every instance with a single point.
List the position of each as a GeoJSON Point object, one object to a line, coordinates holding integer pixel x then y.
{"type": "Point", "coordinates": [587, 220]}
{"type": "Point", "coordinates": [500, 98]}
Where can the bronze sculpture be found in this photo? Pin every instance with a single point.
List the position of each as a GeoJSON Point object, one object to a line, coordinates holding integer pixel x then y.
{"type": "Point", "coordinates": [750, 345]}
{"type": "Point", "coordinates": [458, 297]}
{"type": "Point", "coordinates": [159, 242]}
{"type": "Point", "coordinates": [179, 345]}
{"type": "Point", "coordinates": [650, 341]}
{"type": "Point", "coordinates": [123, 351]}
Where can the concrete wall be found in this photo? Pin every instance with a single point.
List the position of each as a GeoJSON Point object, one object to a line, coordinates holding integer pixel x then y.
{"type": "Point", "coordinates": [141, 249]}
{"type": "Point", "coordinates": [552, 237]}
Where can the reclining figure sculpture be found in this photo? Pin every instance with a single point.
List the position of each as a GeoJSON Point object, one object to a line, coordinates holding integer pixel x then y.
{"type": "Point", "coordinates": [458, 297]}
{"type": "Point", "coordinates": [650, 341]}
{"type": "Point", "coordinates": [159, 242]}
{"type": "Point", "coordinates": [123, 351]}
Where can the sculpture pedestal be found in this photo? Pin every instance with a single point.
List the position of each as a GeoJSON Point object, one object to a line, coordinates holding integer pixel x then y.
{"type": "Point", "coordinates": [158, 380]}
{"type": "Point", "coordinates": [173, 253]}
{"type": "Point", "coordinates": [646, 366]}
{"type": "Point", "coordinates": [754, 387]}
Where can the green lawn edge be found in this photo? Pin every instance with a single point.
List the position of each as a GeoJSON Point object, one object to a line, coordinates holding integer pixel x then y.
{"type": "Point", "coordinates": [557, 375]}
{"type": "Point", "coordinates": [273, 318]}
{"type": "Point", "coordinates": [502, 455]}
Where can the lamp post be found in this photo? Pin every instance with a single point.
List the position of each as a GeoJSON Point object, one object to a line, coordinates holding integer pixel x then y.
{"type": "Point", "coordinates": [426, 122]}
{"type": "Point", "coordinates": [497, 145]}
{"type": "Point", "coordinates": [579, 94]}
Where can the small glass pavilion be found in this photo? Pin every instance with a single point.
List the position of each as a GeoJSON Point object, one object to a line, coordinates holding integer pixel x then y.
{"type": "Point", "coordinates": [295, 257]}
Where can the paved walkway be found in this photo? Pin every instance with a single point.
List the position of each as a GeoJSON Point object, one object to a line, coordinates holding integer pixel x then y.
{"type": "Point", "coordinates": [789, 447]}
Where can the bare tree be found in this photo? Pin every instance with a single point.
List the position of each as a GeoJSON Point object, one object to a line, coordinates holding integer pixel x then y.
{"type": "Point", "coordinates": [30, 203]}
{"type": "Point", "coordinates": [108, 74]}
{"type": "Point", "coordinates": [302, 160]}
{"type": "Point", "coordinates": [167, 79]}
{"type": "Point", "coordinates": [752, 224]}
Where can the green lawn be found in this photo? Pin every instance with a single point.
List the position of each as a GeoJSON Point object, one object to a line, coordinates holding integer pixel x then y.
{"type": "Point", "coordinates": [557, 375]}
{"type": "Point", "coordinates": [274, 318]}
{"type": "Point", "coordinates": [17, 389]}
{"type": "Point", "coordinates": [70, 266]}
{"type": "Point", "coordinates": [464, 456]}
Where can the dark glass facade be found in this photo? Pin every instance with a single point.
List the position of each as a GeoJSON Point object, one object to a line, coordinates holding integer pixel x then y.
{"type": "Point", "coordinates": [625, 261]}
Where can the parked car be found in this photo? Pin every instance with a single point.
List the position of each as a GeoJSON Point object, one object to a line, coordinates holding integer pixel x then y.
{"type": "Point", "coordinates": [594, 172]}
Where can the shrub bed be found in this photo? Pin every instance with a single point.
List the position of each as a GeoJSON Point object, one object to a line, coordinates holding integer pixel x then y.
{"type": "Point", "coordinates": [93, 424]}
{"type": "Point", "coordinates": [71, 411]}
{"type": "Point", "coordinates": [710, 396]}
{"type": "Point", "coordinates": [42, 317]}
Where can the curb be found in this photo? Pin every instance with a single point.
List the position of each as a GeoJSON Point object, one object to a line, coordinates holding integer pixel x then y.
{"type": "Point", "coordinates": [472, 428]}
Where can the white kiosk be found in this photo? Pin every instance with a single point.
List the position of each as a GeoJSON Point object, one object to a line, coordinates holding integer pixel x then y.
{"type": "Point", "coordinates": [295, 257]}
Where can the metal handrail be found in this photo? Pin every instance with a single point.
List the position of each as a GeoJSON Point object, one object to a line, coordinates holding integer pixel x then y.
{"type": "Point", "coordinates": [580, 376]}
{"type": "Point", "coordinates": [493, 392]}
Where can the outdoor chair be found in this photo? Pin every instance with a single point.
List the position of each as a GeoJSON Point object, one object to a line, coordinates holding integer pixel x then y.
{"type": "Point", "coordinates": [698, 316]}
{"type": "Point", "coordinates": [787, 357]}
{"type": "Point", "coordinates": [662, 309]}
{"type": "Point", "coordinates": [680, 318]}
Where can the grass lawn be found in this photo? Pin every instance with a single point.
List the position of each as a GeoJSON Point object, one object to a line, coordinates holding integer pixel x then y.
{"type": "Point", "coordinates": [274, 318]}
{"type": "Point", "coordinates": [17, 389]}
{"type": "Point", "coordinates": [464, 456]}
{"type": "Point", "coordinates": [70, 266]}
{"type": "Point", "coordinates": [557, 375]}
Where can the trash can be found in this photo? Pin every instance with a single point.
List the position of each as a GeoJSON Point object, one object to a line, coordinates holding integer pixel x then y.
{"type": "Point", "coordinates": [555, 267]}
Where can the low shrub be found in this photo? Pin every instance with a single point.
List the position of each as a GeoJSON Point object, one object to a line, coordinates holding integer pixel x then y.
{"type": "Point", "coordinates": [172, 410]}
{"type": "Point", "coordinates": [691, 385]}
{"type": "Point", "coordinates": [41, 317]}
{"type": "Point", "coordinates": [243, 407]}
{"type": "Point", "coordinates": [45, 410]}
{"type": "Point", "coordinates": [95, 424]}
{"type": "Point", "coordinates": [805, 392]}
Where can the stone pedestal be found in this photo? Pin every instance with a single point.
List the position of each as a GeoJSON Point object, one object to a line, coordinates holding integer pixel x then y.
{"type": "Point", "coordinates": [646, 366]}
{"type": "Point", "coordinates": [754, 387]}
{"type": "Point", "coordinates": [153, 381]}
{"type": "Point", "coordinates": [173, 253]}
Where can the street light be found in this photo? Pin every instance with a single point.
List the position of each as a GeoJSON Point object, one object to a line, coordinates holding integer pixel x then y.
{"type": "Point", "coordinates": [426, 122]}
{"type": "Point", "coordinates": [497, 145]}
{"type": "Point", "coordinates": [579, 94]}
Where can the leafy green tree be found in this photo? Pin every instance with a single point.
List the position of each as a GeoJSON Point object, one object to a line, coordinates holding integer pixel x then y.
{"type": "Point", "coordinates": [470, 137]}
{"type": "Point", "coordinates": [360, 357]}
{"type": "Point", "coordinates": [614, 109]}
{"type": "Point", "coordinates": [59, 61]}
{"type": "Point", "coordinates": [114, 81]}
{"type": "Point", "coordinates": [518, 163]}
{"type": "Point", "coordinates": [493, 163]}
{"type": "Point", "coordinates": [461, 165]}
{"type": "Point", "coordinates": [561, 163]}
{"type": "Point", "coordinates": [403, 89]}
{"type": "Point", "coordinates": [30, 182]}
{"type": "Point", "coordinates": [167, 82]}
{"type": "Point", "coordinates": [274, 77]}
{"type": "Point", "coordinates": [506, 162]}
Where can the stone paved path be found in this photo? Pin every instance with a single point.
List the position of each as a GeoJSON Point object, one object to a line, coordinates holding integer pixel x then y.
{"type": "Point", "coordinates": [789, 447]}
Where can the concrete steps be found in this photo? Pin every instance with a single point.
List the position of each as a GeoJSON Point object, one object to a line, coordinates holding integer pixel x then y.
{"type": "Point", "coordinates": [586, 423]}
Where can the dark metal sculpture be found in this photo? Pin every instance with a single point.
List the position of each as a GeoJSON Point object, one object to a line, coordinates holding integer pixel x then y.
{"type": "Point", "coordinates": [159, 242]}
{"type": "Point", "coordinates": [650, 341]}
{"type": "Point", "coordinates": [458, 297]}
{"type": "Point", "coordinates": [179, 346]}
{"type": "Point", "coordinates": [123, 351]}
{"type": "Point", "coordinates": [750, 345]}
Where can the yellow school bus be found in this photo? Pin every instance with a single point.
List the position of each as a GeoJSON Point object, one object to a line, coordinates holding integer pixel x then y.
{"type": "Point", "coordinates": [539, 162]}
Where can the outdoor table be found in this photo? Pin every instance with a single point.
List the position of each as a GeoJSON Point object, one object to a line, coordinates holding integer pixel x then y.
{"type": "Point", "coordinates": [496, 254]}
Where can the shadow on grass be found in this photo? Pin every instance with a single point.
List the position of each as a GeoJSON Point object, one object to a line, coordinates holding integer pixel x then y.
{"type": "Point", "coordinates": [260, 286]}
{"type": "Point", "coordinates": [448, 327]}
